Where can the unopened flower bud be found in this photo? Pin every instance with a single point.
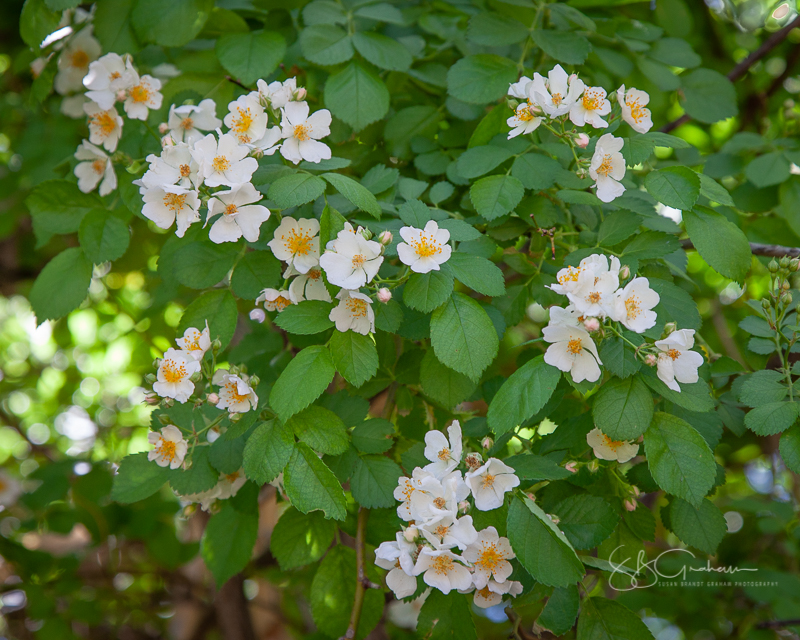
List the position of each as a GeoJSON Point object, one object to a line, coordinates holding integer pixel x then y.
{"type": "Point", "coordinates": [164, 419]}
{"type": "Point", "coordinates": [582, 140]}
{"type": "Point", "coordinates": [216, 345]}
{"type": "Point", "coordinates": [473, 461]}
{"type": "Point", "coordinates": [411, 534]}
{"type": "Point", "coordinates": [591, 324]}
{"type": "Point", "coordinates": [571, 466]}
{"type": "Point", "coordinates": [235, 417]}
{"type": "Point", "coordinates": [163, 128]}
{"type": "Point", "coordinates": [254, 381]}
{"type": "Point", "coordinates": [554, 519]}
{"type": "Point", "coordinates": [512, 104]}
{"type": "Point", "coordinates": [196, 376]}
{"type": "Point", "coordinates": [258, 315]}
{"type": "Point", "coordinates": [581, 173]}
{"type": "Point", "coordinates": [624, 272]}
{"type": "Point", "coordinates": [150, 378]}
{"type": "Point", "coordinates": [167, 141]}
{"type": "Point", "coordinates": [784, 262]}
{"type": "Point", "coordinates": [213, 398]}
{"type": "Point", "coordinates": [772, 266]}
{"type": "Point", "coordinates": [788, 298]}
{"type": "Point", "coordinates": [531, 496]}
{"type": "Point", "coordinates": [152, 399]}
{"type": "Point", "coordinates": [669, 328]}
{"type": "Point", "coordinates": [384, 295]}
{"type": "Point", "coordinates": [537, 312]}
{"type": "Point", "coordinates": [121, 95]}
{"type": "Point", "coordinates": [786, 286]}
{"type": "Point", "coordinates": [366, 234]}
{"type": "Point", "coordinates": [385, 237]}
{"type": "Point", "coordinates": [630, 505]}
{"type": "Point", "coordinates": [794, 263]}
{"type": "Point", "coordinates": [300, 94]}
{"type": "Point", "coordinates": [636, 491]}
{"type": "Point", "coordinates": [593, 466]}
{"type": "Point", "coordinates": [650, 360]}
{"type": "Point", "coordinates": [463, 507]}
{"type": "Point", "coordinates": [487, 443]}
{"type": "Point", "coordinates": [765, 303]}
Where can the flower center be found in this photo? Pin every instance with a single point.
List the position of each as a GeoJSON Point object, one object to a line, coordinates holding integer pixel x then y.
{"type": "Point", "coordinates": [358, 260]}
{"type": "Point", "coordinates": [638, 112]}
{"type": "Point", "coordinates": [524, 113]}
{"type": "Point", "coordinates": [140, 93]}
{"type": "Point", "coordinates": [632, 307]}
{"type": "Point", "coordinates": [166, 448]}
{"type": "Point", "coordinates": [439, 503]}
{"type": "Point", "coordinates": [281, 303]}
{"type": "Point", "coordinates": [441, 530]}
{"type": "Point", "coordinates": [486, 593]}
{"type": "Point", "coordinates": [187, 123]}
{"type": "Point", "coordinates": [99, 165]}
{"type": "Point", "coordinates": [557, 99]}
{"type": "Point", "coordinates": [574, 346]}
{"type": "Point", "coordinates": [612, 444]}
{"type": "Point", "coordinates": [488, 481]}
{"type": "Point", "coordinates": [231, 210]}
{"type": "Point", "coordinates": [356, 307]}
{"type": "Point", "coordinates": [408, 489]}
{"type": "Point", "coordinates": [232, 477]}
{"type": "Point", "coordinates": [114, 75]}
{"type": "Point", "coordinates": [302, 132]}
{"type": "Point", "coordinates": [489, 557]}
{"type": "Point", "coordinates": [444, 454]}
{"type": "Point", "coordinates": [220, 164]}
{"type": "Point", "coordinates": [173, 372]}
{"type": "Point", "coordinates": [79, 59]}
{"type": "Point", "coordinates": [570, 276]}
{"type": "Point", "coordinates": [233, 391]}
{"type": "Point", "coordinates": [175, 202]}
{"type": "Point", "coordinates": [297, 243]}
{"type": "Point", "coordinates": [193, 343]}
{"type": "Point", "coordinates": [426, 246]}
{"type": "Point", "coordinates": [442, 565]}
{"type": "Point", "coordinates": [594, 297]}
{"type": "Point", "coordinates": [674, 354]}
{"type": "Point", "coordinates": [592, 100]}
{"type": "Point", "coordinates": [105, 122]}
{"type": "Point", "coordinates": [314, 274]}
{"type": "Point", "coordinates": [605, 166]}
{"type": "Point", "coordinates": [185, 170]}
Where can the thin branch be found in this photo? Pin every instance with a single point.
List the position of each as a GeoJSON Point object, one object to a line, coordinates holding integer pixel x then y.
{"type": "Point", "coordinates": [361, 576]}
{"type": "Point", "coordinates": [778, 624]}
{"type": "Point", "coordinates": [740, 69]}
{"type": "Point", "coordinates": [758, 249]}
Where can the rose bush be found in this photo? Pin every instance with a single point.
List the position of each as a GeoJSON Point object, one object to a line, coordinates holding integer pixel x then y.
{"type": "Point", "coordinates": [477, 308]}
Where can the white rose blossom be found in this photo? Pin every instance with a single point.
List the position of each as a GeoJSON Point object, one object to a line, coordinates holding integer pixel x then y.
{"type": "Point", "coordinates": [142, 96]}
{"type": "Point", "coordinates": [450, 532]}
{"type": "Point", "coordinates": [195, 342]}
{"type": "Point", "coordinates": [556, 94]}
{"type": "Point", "coordinates": [169, 447]}
{"type": "Point", "coordinates": [188, 123]}
{"type": "Point", "coordinates": [519, 89]}
{"type": "Point", "coordinates": [240, 215]}
{"type": "Point", "coordinates": [437, 500]}
{"type": "Point", "coordinates": [74, 60]}
{"type": "Point", "coordinates": [105, 126]}
{"type": "Point", "coordinates": [168, 205]}
{"type": "Point", "coordinates": [492, 594]}
{"type": "Point", "coordinates": [230, 483]}
{"type": "Point", "coordinates": [677, 362]}
{"type": "Point", "coordinates": [405, 489]}
{"type": "Point", "coordinates": [607, 449]}
{"type": "Point", "coordinates": [572, 350]}
{"type": "Point", "coordinates": [608, 168]}
{"type": "Point", "coordinates": [302, 133]}
{"type": "Point", "coordinates": [524, 120]}
{"type": "Point", "coordinates": [593, 295]}
{"type": "Point", "coordinates": [307, 286]}
{"type": "Point", "coordinates": [443, 570]}
{"type": "Point", "coordinates": [95, 168]}
{"type": "Point", "coordinates": [489, 555]}
{"type": "Point", "coordinates": [633, 305]}
{"type": "Point", "coordinates": [444, 455]}
{"type": "Point", "coordinates": [398, 558]}
{"type": "Point", "coordinates": [275, 300]}
{"type": "Point", "coordinates": [567, 317]}
{"type": "Point", "coordinates": [235, 393]}
{"type": "Point", "coordinates": [351, 261]}
{"type": "Point", "coordinates": [296, 242]}
{"type": "Point", "coordinates": [106, 77]}
{"type": "Point", "coordinates": [223, 162]}
{"type": "Point", "coordinates": [269, 143]}
{"type": "Point", "coordinates": [175, 166]}
{"type": "Point", "coordinates": [591, 108]}
{"type": "Point", "coordinates": [246, 119]}
{"type": "Point", "coordinates": [353, 313]}
{"type": "Point", "coordinates": [174, 373]}
{"type": "Point", "coordinates": [490, 482]}
{"type": "Point", "coordinates": [277, 93]}
{"type": "Point", "coordinates": [425, 249]}
{"type": "Point", "coordinates": [634, 111]}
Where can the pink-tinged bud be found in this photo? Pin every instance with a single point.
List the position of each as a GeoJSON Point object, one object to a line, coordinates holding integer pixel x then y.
{"type": "Point", "coordinates": [463, 507]}
{"type": "Point", "coordinates": [624, 272]}
{"type": "Point", "coordinates": [152, 399]}
{"type": "Point", "coordinates": [531, 496]}
{"type": "Point", "coordinates": [167, 141]}
{"type": "Point", "coordinates": [650, 360]}
{"type": "Point", "coordinates": [213, 398]}
{"type": "Point", "coordinates": [571, 466]}
{"type": "Point", "coordinates": [411, 534]}
{"type": "Point", "coordinates": [385, 237]}
{"type": "Point", "coordinates": [554, 519]}
{"type": "Point", "coordinates": [384, 295]}
{"type": "Point", "coordinates": [573, 77]}
{"type": "Point", "coordinates": [487, 443]}
{"type": "Point", "coordinates": [636, 491]}
{"type": "Point", "coordinates": [640, 439]}
{"type": "Point", "coordinates": [591, 324]}
{"type": "Point", "coordinates": [121, 95]}
{"type": "Point", "coordinates": [163, 128]}
{"type": "Point", "coordinates": [300, 94]}
{"type": "Point", "coordinates": [630, 505]}
{"type": "Point", "coordinates": [582, 140]}
{"type": "Point", "coordinates": [473, 461]}
{"type": "Point", "coordinates": [258, 315]}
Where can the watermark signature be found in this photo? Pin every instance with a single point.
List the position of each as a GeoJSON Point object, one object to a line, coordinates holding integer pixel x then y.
{"type": "Point", "coordinates": [647, 573]}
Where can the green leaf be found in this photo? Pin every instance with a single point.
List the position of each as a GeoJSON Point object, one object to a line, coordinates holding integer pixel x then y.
{"type": "Point", "coordinates": [374, 481]}
{"type": "Point", "coordinates": [675, 304]}
{"type": "Point", "coordinates": [446, 617]}
{"type": "Point", "coordinates": [202, 264]}
{"type": "Point", "coordinates": [103, 236]}
{"type": "Point", "coordinates": [354, 356]}
{"type": "Point", "coordinates": [623, 409]}
{"type": "Point", "coordinates": [494, 196]}
{"type": "Point", "coordinates": [320, 429]}
{"type": "Point", "coordinates": [714, 191]}
{"type": "Point", "coordinates": [495, 30]}
{"type": "Point", "coordinates": [650, 245]}
{"type": "Point", "coordinates": [300, 539]}
{"type": "Point", "coordinates": [772, 418]}
{"type": "Point", "coordinates": [719, 242]}
{"type": "Point", "coordinates": [373, 436]}
{"type": "Point", "coordinates": [523, 395]}
{"type": "Point", "coordinates": [228, 541]}
{"type": "Point", "coordinates": [694, 397]}
{"type": "Point", "coordinates": [414, 213]}
{"type": "Point", "coordinates": [58, 207]}
{"type": "Point", "coordinates": [296, 189]}
{"type": "Point", "coordinates": [356, 96]}
{"type": "Point", "coordinates": [617, 227]}
{"type": "Point", "coordinates": [250, 56]}
{"type": "Point", "coordinates": [490, 125]}
{"type": "Point", "coordinates": [302, 381]}
{"type": "Point", "coordinates": [170, 24]}
{"type": "Point", "coordinates": [326, 44]}
{"type": "Point", "coordinates": [357, 194]}
{"type": "Point", "coordinates": [763, 387]}
{"type": "Point", "coordinates": [267, 451]}
{"type": "Point", "coordinates": [311, 485]}
{"type": "Point", "coordinates": [536, 171]}
{"type": "Point", "coordinates": [790, 449]}
{"type": "Point", "coordinates": [382, 51]}
{"type": "Point", "coordinates": [564, 46]}
{"type": "Point", "coordinates": [442, 384]}
{"type": "Point", "coordinates": [137, 478]}
{"type": "Point", "coordinates": [708, 96]}
{"type": "Point", "coordinates": [675, 53]}
{"type": "Point", "coordinates": [768, 170]}
{"type": "Point", "coordinates": [529, 466]}
{"type": "Point", "coordinates": [330, 224]}
{"type": "Point", "coordinates": [226, 454]}
{"type": "Point", "coordinates": [199, 477]}
{"type": "Point", "coordinates": [477, 161]}
{"type": "Point", "coordinates": [540, 546]}
{"type": "Point", "coordinates": [113, 28]}
{"type": "Point", "coordinates": [256, 271]}
{"type": "Point", "coordinates": [561, 609]}
{"type": "Point", "coordinates": [481, 78]}
{"type": "Point", "coordinates": [332, 593]}
{"type": "Point", "coordinates": [676, 187]}
{"type": "Point", "coordinates": [586, 520]}
{"type": "Point", "coordinates": [463, 336]}
{"type": "Point", "coordinates": [478, 273]}
{"type": "Point", "coordinates": [409, 123]}
{"type": "Point", "coordinates": [460, 231]}
{"type": "Point", "coordinates": [602, 619]}
{"type": "Point", "coordinates": [217, 307]}
{"type": "Point", "coordinates": [36, 22]}
{"type": "Point", "coordinates": [427, 291]}
{"type": "Point", "coordinates": [61, 286]}
{"type": "Point", "coordinates": [617, 359]}
{"type": "Point", "coordinates": [702, 528]}
{"type": "Point", "coordinates": [306, 318]}
{"type": "Point", "coordinates": [637, 149]}
{"type": "Point", "coordinates": [679, 458]}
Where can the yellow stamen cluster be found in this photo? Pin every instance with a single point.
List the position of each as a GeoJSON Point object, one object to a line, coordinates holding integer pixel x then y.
{"type": "Point", "coordinates": [574, 346]}
{"type": "Point", "coordinates": [490, 557]}
{"type": "Point", "coordinates": [233, 391]}
{"type": "Point", "coordinates": [633, 307]}
{"type": "Point", "coordinates": [302, 132]}
{"type": "Point", "coordinates": [612, 444]}
{"type": "Point", "coordinates": [442, 565]}
{"type": "Point", "coordinates": [592, 99]}
{"type": "Point", "coordinates": [140, 93]}
{"type": "Point", "coordinates": [426, 246]}
{"type": "Point", "coordinates": [297, 243]}
{"type": "Point", "coordinates": [173, 372]}
{"type": "Point", "coordinates": [606, 166]}
{"type": "Point", "coordinates": [99, 165]}
{"type": "Point", "coordinates": [166, 448]}
{"type": "Point", "coordinates": [175, 201]}
{"type": "Point", "coordinates": [638, 111]}
{"type": "Point", "coordinates": [220, 164]}
{"type": "Point", "coordinates": [356, 307]}
{"type": "Point", "coordinates": [105, 122]}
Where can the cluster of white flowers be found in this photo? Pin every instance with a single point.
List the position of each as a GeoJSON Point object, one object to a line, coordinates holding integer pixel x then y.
{"type": "Point", "coordinates": [593, 289]}
{"type": "Point", "coordinates": [560, 95]}
{"type": "Point", "coordinates": [227, 486]}
{"type": "Point", "coordinates": [444, 548]}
